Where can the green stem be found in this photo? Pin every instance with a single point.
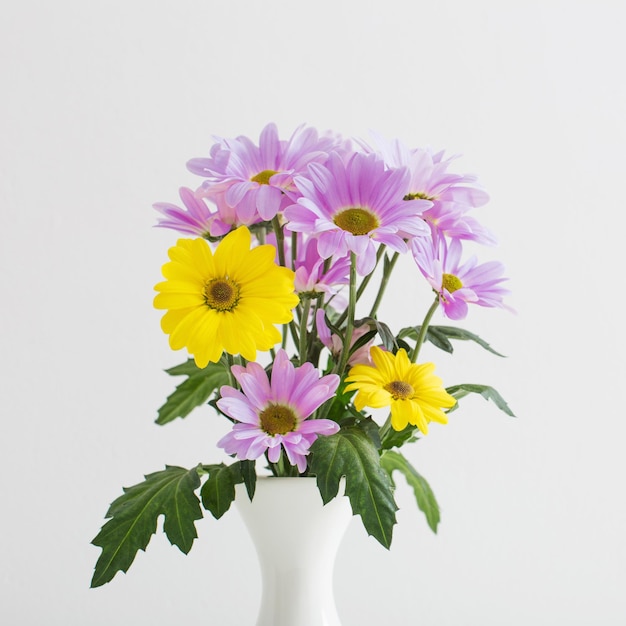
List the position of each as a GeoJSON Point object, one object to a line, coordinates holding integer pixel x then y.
{"type": "Point", "coordinates": [304, 320]}
{"type": "Point", "coordinates": [366, 280]}
{"type": "Point", "coordinates": [282, 467]}
{"type": "Point", "coordinates": [319, 299]}
{"type": "Point", "coordinates": [294, 249]}
{"type": "Point", "coordinates": [383, 284]}
{"type": "Point", "coordinates": [347, 339]}
{"type": "Point", "coordinates": [272, 466]}
{"type": "Point", "coordinates": [231, 378]}
{"type": "Point", "coordinates": [363, 285]}
{"type": "Point", "coordinates": [280, 245]}
{"type": "Point", "coordinates": [422, 334]}
{"type": "Point", "coordinates": [385, 428]}
{"type": "Point", "coordinates": [280, 240]}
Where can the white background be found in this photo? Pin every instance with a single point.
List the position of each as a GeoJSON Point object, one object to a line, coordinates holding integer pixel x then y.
{"type": "Point", "coordinates": [102, 104]}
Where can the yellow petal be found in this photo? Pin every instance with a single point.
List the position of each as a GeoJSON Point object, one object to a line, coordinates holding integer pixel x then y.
{"type": "Point", "coordinates": [434, 414]}
{"type": "Point", "coordinates": [417, 417]}
{"type": "Point", "coordinates": [402, 364]}
{"type": "Point", "coordinates": [400, 414]}
{"type": "Point", "coordinates": [365, 373]}
{"type": "Point", "coordinates": [232, 251]}
{"type": "Point", "coordinates": [384, 362]}
{"type": "Point", "coordinates": [257, 263]}
{"type": "Point", "coordinates": [182, 333]}
{"type": "Point", "coordinates": [172, 318]}
{"type": "Point", "coordinates": [178, 300]}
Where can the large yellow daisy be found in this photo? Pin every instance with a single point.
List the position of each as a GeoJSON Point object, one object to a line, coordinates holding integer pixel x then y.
{"type": "Point", "coordinates": [228, 300]}
{"type": "Point", "coordinates": [416, 396]}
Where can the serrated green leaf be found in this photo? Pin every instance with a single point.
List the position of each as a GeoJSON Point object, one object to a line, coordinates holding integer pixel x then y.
{"type": "Point", "coordinates": [371, 429]}
{"type": "Point", "coordinates": [351, 453]}
{"type": "Point", "coordinates": [194, 391]}
{"type": "Point", "coordinates": [487, 392]}
{"type": "Point", "coordinates": [424, 496]}
{"type": "Point", "coordinates": [188, 368]}
{"type": "Point", "coordinates": [133, 519]}
{"type": "Point", "coordinates": [340, 405]}
{"type": "Point", "coordinates": [218, 492]}
{"type": "Point", "coordinates": [248, 473]}
{"type": "Point", "coordinates": [397, 438]}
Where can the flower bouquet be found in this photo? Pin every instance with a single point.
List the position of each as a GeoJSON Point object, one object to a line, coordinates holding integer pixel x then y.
{"type": "Point", "coordinates": [283, 239]}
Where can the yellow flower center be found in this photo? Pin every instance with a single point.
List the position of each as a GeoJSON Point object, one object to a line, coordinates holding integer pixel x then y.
{"type": "Point", "coordinates": [277, 419]}
{"type": "Point", "coordinates": [418, 195]}
{"type": "Point", "coordinates": [400, 390]}
{"type": "Point", "coordinates": [356, 221]}
{"type": "Point", "coordinates": [263, 178]}
{"type": "Point", "coordinates": [451, 283]}
{"type": "Point", "coordinates": [221, 294]}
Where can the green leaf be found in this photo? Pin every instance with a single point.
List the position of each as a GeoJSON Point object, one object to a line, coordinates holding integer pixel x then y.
{"type": "Point", "coordinates": [361, 341]}
{"type": "Point", "coordinates": [384, 332]}
{"type": "Point", "coordinates": [333, 329]}
{"type": "Point", "coordinates": [351, 453]}
{"type": "Point", "coordinates": [439, 336]}
{"type": "Point", "coordinates": [248, 475]}
{"type": "Point", "coordinates": [435, 338]}
{"type": "Point", "coordinates": [403, 345]}
{"type": "Point", "coordinates": [371, 429]}
{"type": "Point", "coordinates": [340, 405]}
{"type": "Point", "coordinates": [424, 496]}
{"type": "Point", "coordinates": [188, 368]}
{"type": "Point", "coordinates": [169, 492]}
{"type": "Point", "coordinates": [194, 391]}
{"type": "Point", "coordinates": [487, 392]}
{"type": "Point", "coordinates": [218, 492]}
{"type": "Point", "coordinates": [397, 438]}
{"type": "Point", "coordinates": [439, 339]}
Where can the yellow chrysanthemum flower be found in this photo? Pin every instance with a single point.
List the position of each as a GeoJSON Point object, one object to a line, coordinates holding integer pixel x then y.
{"type": "Point", "coordinates": [416, 396]}
{"type": "Point", "coordinates": [224, 301]}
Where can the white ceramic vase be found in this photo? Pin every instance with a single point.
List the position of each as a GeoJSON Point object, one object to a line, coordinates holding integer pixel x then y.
{"type": "Point", "coordinates": [296, 539]}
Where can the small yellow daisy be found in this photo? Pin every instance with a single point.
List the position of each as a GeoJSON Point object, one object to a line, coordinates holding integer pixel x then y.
{"type": "Point", "coordinates": [416, 396]}
{"type": "Point", "coordinates": [224, 301]}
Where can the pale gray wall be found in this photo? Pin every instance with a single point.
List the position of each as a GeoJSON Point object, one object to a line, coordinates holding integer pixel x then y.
{"type": "Point", "coordinates": [102, 104]}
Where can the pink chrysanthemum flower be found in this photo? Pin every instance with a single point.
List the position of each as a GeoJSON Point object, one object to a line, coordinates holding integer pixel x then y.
{"type": "Point", "coordinates": [310, 274]}
{"type": "Point", "coordinates": [452, 195]}
{"type": "Point", "coordinates": [273, 414]}
{"type": "Point", "coordinates": [258, 180]}
{"type": "Point", "coordinates": [459, 283]}
{"type": "Point", "coordinates": [195, 219]}
{"type": "Point", "coordinates": [227, 218]}
{"type": "Point", "coordinates": [350, 205]}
